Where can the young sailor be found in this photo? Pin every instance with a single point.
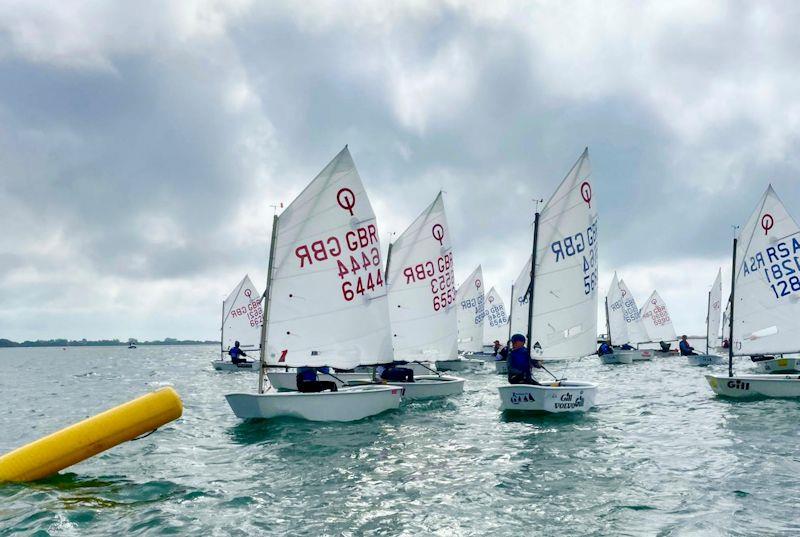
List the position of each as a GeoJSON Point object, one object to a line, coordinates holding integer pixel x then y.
{"type": "Point", "coordinates": [605, 348]}
{"type": "Point", "coordinates": [686, 349]}
{"type": "Point", "coordinates": [499, 352]}
{"type": "Point", "coordinates": [393, 373]}
{"type": "Point", "coordinates": [520, 362]}
{"type": "Point", "coordinates": [307, 380]}
{"type": "Point", "coordinates": [235, 352]}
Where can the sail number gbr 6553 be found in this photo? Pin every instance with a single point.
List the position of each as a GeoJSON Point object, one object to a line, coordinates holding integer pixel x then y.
{"type": "Point", "coordinates": [439, 273]}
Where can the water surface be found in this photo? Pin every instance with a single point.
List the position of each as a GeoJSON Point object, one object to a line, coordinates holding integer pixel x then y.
{"type": "Point", "coordinates": [659, 455]}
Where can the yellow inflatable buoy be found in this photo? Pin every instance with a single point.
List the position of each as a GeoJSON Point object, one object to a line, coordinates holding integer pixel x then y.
{"type": "Point", "coordinates": [89, 437]}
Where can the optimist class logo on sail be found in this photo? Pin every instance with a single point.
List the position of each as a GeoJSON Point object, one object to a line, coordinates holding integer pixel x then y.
{"type": "Point", "coordinates": [356, 253]}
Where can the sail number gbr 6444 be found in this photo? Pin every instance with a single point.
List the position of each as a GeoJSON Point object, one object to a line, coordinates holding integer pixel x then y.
{"type": "Point", "coordinates": [357, 256]}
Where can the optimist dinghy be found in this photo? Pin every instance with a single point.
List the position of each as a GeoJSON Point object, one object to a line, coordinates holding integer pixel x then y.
{"type": "Point", "coordinates": [422, 301]}
{"type": "Point", "coordinates": [616, 327]}
{"type": "Point", "coordinates": [562, 312]}
{"type": "Point", "coordinates": [469, 305]}
{"type": "Point", "coordinates": [779, 365]}
{"type": "Point", "coordinates": [464, 362]}
{"type": "Point", "coordinates": [619, 307]}
{"type": "Point", "coordinates": [326, 301]}
{"type": "Point", "coordinates": [285, 381]}
{"type": "Point", "coordinates": [242, 317]}
{"type": "Point", "coordinates": [419, 368]}
{"type": "Point", "coordinates": [764, 313]}
{"type": "Point", "coordinates": [712, 325]}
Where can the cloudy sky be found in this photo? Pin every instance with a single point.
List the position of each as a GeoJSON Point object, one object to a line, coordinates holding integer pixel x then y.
{"type": "Point", "coordinates": [143, 143]}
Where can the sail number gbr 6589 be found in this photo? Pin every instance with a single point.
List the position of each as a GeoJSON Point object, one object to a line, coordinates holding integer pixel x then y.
{"type": "Point", "coordinates": [584, 244]}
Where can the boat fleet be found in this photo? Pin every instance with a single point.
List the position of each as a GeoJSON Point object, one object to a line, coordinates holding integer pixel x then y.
{"type": "Point", "coordinates": [332, 303]}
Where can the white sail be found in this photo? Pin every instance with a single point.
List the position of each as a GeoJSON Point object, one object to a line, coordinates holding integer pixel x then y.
{"type": "Point", "coordinates": [565, 286]}
{"type": "Point", "coordinates": [328, 303]}
{"type": "Point", "coordinates": [633, 319]}
{"type": "Point", "coordinates": [726, 315]}
{"type": "Point", "coordinates": [714, 310]}
{"type": "Point", "coordinates": [421, 289]}
{"type": "Point", "coordinates": [656, 320]}
{"type": "Point", "coordinates": [469, 303]}
{"type": "Point", "coordinates": [519, 315]}
{"type": "Point", "coordinates": [616, 314]}
{"type": "Point", "coordinates": [242, 316]}
{"type": "Point", "coordinates": [767, 293]}
{"type": "Point", "coordinates": [495, 319]}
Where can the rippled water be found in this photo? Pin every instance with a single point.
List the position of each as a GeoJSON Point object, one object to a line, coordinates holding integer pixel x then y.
{"type": "Point", "coordinates": [659, 455]}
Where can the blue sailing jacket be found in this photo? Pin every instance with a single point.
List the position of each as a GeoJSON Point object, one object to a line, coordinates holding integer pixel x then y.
{"type": "Point", "coordinates": [519, 361]}
{"type": "Point", "coordinates": [307, 374]}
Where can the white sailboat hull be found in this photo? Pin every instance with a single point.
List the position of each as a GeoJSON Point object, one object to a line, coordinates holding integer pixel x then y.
{"type": "Point", "coordinates": [636, 355]}
{"type": "Point", "coordinates": [705, 360]}
{"type": "Point", "coordinates": [566, 396]}
{"type": "Point", "coordinates": [459, 364]}
{"type": "Point", "coordinates": [348, 404]}
{"type": "Point", "coordinates": [501, 367]}
{"type": "Point", "coordinates": [779, 366]}
{"type": "Point", "coordinates": [230, 366]}
{"type": "Point", "coordinates": [617, 358]}
{"type": "Point", "coordinates": [750, 386]}
{"type": "Point", "coordinates": [422, 368]}
{"type": "Point", "coordinates": [431, 387]}
{"type": "Point", "coordinates": [287, 380]}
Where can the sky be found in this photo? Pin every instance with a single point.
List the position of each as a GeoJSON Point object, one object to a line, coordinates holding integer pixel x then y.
{"type": "Point", "coordinates": [143, 144]}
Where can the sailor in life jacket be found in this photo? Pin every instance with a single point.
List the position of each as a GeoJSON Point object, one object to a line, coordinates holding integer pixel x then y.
{"type": "Point", "coordinates": [393, 373]}
{"type": "Point", "coordinates": [235, 352]}
{"type": "Point", "coordinates": [605, 348]}
{"type": "Point", "coordinates": [686, 349]}
{"type": "Point", "coordinates": [307, 380]}
{"type": "Point", "coordinates": [500, 352]}
{"type": "Point", "coordinates": [520, 362]}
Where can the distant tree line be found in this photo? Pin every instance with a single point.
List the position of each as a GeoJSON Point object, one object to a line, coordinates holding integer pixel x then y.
{"type": "Point", "coordinates": [101, 342]}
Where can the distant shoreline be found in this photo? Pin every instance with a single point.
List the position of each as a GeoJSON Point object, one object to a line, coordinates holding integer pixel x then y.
{"type": "Point", "coordinates": [8, 344]}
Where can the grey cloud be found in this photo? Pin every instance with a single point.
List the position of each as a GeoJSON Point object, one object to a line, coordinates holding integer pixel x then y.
{"type": "Point", "coordinates": [141, 158]}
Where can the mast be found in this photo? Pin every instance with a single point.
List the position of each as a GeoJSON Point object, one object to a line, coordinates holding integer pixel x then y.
{"type": "Point", "coordinates": [730, 318]}
{"type": "Point", "coordinates": [708, 318]}
{"type": "Point", "coordinates": [388, 260]}
{"type": "Point", "coordinates": [267, 300]}
{"type": "Point", "coordinates": [510, 313]}
{"type": "Point", "coordinates": [608, 324]}
{"type": "Point", "coordinates": [222, 333]}
{"type": "Point", "coordinates": [533, 275]}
